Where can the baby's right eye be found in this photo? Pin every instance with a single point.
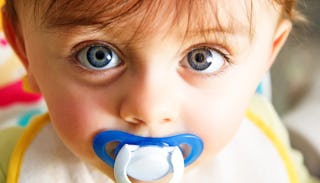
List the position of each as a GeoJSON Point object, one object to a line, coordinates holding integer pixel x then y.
{"type": "Point", "coordinates": [98, 57]}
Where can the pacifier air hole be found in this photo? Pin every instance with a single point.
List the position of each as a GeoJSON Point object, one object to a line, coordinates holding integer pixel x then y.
{"type": "Point", "coordinates": [186, 150]}
{"type": "Point", "coordinates": [111, 148]}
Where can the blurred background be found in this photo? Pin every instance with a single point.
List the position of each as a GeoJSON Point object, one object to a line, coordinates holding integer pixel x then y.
{"type": "Point", "coordinates": [296, 85]}
{"type": "Point", "coordinates": [298, 62]}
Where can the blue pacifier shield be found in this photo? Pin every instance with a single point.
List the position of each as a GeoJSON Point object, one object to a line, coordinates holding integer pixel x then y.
{"type": "Point", "coordinates": [147, 158]}
{"type": "Point", "coordinates": [102, 139]}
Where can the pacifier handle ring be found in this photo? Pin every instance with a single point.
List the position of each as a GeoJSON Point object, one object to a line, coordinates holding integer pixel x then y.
{"type": "Point", "coordinates": [178, 168]}
{"type": "Point", "coordinates": [120, 166]}
{"type": "Point", "coordinates": [194, 142]}
{"type": "Point", "coordinates": [125, 155]}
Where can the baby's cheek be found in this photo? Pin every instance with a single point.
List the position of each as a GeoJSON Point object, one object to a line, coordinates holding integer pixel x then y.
{"type": "Point", "coordinates": [215, 141]}
{"type": "Point", "coordinates": [72, 127]}
{"type": "Point", "coordinates": [217, 133]}
{"type": "Point", "coordinates": [76, 132]}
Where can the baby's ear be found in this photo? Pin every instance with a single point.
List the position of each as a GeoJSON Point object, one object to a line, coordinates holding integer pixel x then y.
{"type": "Point", "coordinates": [280, 37]}
{"type": "Point", "coordinates": [14, 37]}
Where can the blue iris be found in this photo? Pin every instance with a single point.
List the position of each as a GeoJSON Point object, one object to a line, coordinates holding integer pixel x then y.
{"type": "Point", "coordinates": [99, 56]}
{"type": "Point", "coordinates": [200, 59]}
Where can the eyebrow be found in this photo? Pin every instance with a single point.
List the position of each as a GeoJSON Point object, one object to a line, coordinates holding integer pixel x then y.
{"type": "Point", "coordinates": [217, 30]}
{"type": "Point", "coordinates": [60, 17]}
{"type": "Point", "coordinates": [231, 30]}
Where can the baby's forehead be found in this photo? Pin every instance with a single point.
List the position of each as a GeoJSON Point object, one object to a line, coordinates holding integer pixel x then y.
{"type": "Point", "coordinates": [147, 14]}
{"type": "Point", "coordinates": [142, 17]}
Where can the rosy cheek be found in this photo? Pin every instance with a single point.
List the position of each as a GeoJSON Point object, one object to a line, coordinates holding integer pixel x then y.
{"type": "Point", "coordinates": [72, 122]}
{"type": "Point", "coordinates": [75, 120]}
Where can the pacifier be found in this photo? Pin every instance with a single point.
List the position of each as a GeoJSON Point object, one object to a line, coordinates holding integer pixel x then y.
{"type": "Point", "coordinates": [147, 158]}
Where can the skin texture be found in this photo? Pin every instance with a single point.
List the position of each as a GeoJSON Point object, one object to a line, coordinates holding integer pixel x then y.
{"type": "Point", "coordinates": [154, 91]}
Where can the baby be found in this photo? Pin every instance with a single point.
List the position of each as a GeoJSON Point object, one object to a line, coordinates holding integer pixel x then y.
{"type": "Point", "coordinates": [150, 91]}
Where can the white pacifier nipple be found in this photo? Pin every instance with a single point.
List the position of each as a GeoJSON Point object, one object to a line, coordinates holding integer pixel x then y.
{"type": "Point", "coordinates": [148, 163]}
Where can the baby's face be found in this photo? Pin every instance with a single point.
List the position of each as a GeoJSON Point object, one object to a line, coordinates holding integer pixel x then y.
{"type": "Point", "coordinates": [162, 82]}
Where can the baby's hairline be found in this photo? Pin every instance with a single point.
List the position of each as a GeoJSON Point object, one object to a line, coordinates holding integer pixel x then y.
{"type": "Point", "coordinates": [288, 7]}
{"type": "Point", "coordinates": [56, 24]}
{"type": "Point", "coordinates": [58, 20]}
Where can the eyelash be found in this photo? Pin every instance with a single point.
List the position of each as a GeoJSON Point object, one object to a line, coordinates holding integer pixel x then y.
{"type": "Point", "coordinates": [223, 50]}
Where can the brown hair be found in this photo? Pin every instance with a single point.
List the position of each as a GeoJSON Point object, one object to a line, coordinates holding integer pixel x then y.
{"type": "Point", "coordinates": [288, 6]}
{"type": "Point", "coordinates": [289, 10]}
{"type": "Point", "coordinates": [56, 13]}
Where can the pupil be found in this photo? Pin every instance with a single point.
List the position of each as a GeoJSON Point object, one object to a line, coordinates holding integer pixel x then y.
{"type": "Point", "coordinates": [100, 55]}
{"type": "Point", "coordinates": [199, 57]}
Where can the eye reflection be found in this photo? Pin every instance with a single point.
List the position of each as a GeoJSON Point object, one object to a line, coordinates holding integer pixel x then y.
{"type": "Point", "coordinates": [205, 60]}
{"type": "Point", "coordinates": [98, 57]}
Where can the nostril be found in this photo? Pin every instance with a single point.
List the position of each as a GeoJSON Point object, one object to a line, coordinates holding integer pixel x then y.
{"type": "Point", "coordinates": [137, 121]}
{"type": "Point", "coordinates": [134, 120]}
{"type": "Point", "coordinates": [166, 120]}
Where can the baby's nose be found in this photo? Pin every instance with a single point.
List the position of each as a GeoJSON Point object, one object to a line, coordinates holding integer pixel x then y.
{"type": "Point", "coordinates": [150, 103]}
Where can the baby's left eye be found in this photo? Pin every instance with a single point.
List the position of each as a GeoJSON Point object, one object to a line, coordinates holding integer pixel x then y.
{"type": "Point", "coordinates": [98, 57]}
{"type": "Point", "coordinates": [205, 60]}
